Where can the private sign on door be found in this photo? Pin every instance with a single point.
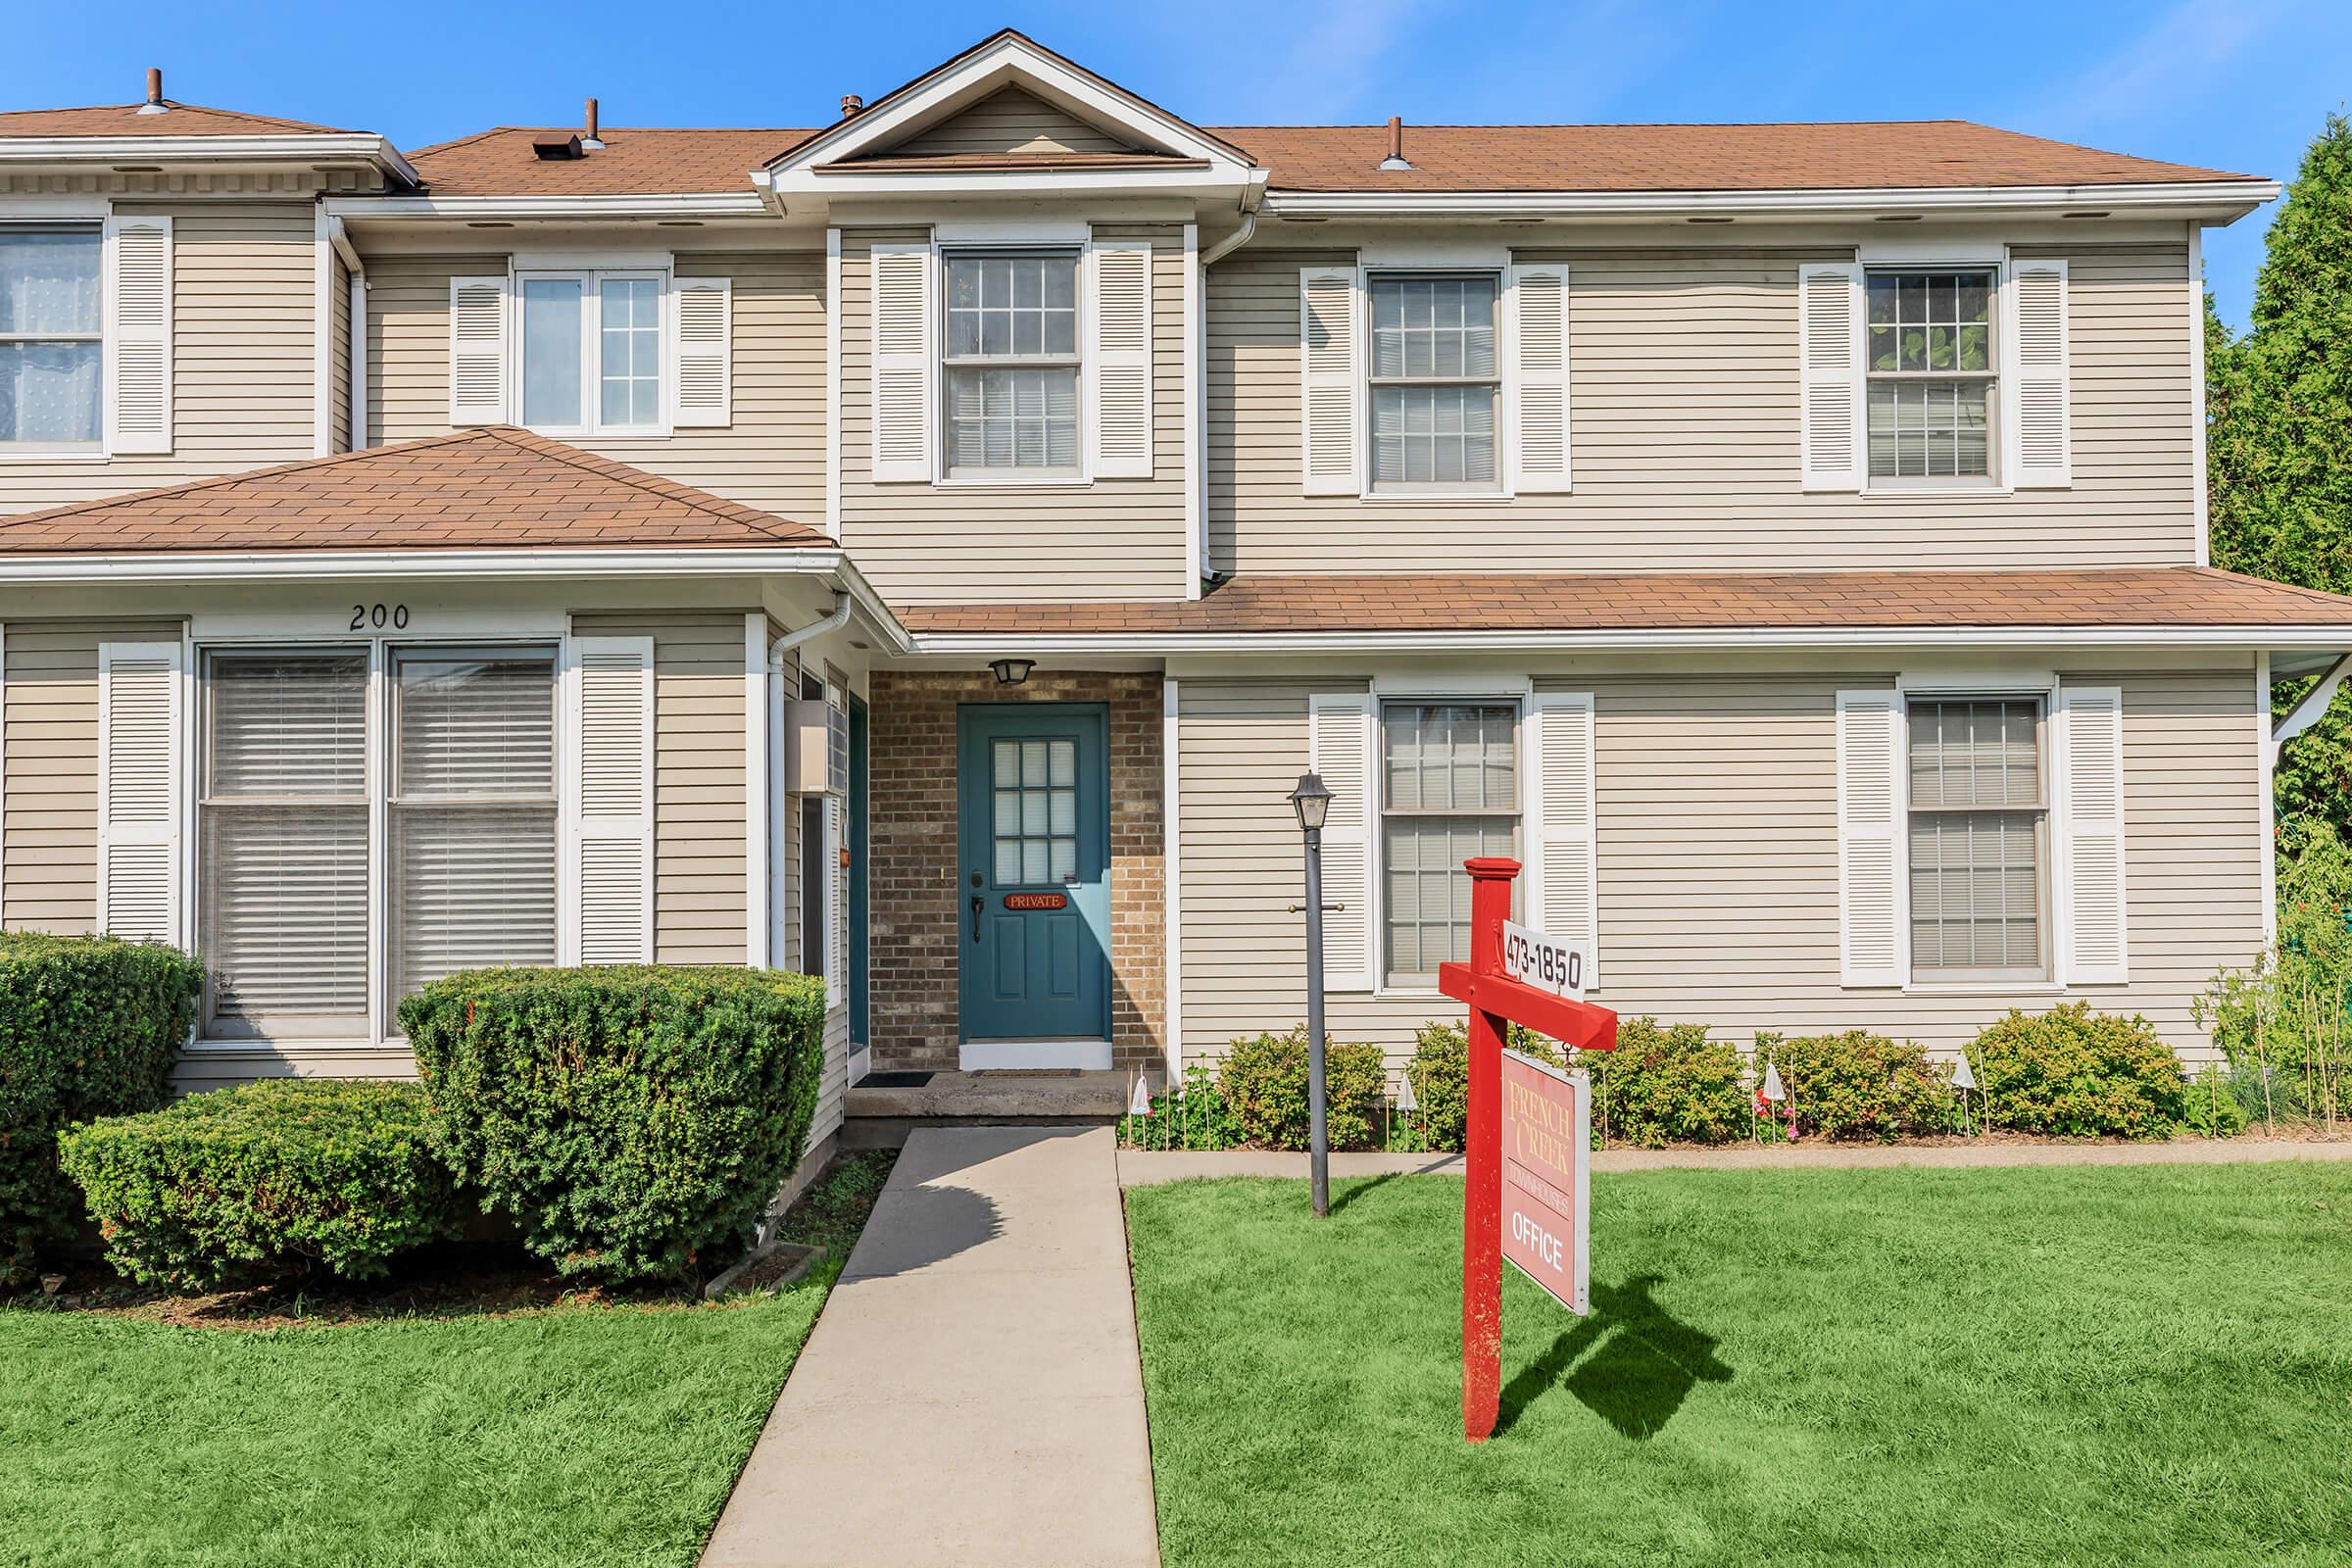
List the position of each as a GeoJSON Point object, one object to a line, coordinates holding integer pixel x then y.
{"type": "Point", "coordinates": [1547, 1189]}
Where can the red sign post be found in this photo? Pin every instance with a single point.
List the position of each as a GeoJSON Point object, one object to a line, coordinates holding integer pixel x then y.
{"type": "Point", "coordinates": [1497, 1001]}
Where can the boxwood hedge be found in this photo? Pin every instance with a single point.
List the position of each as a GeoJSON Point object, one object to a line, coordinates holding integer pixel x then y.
{"type": "Point", "coordinates": [632, 1119]}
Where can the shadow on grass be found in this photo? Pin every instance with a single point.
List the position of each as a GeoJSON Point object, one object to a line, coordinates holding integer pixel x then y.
{"type": "Point", "coordinates": [1643, 1362]}
{"type": "Point", "coordinates": [1342, 1197]}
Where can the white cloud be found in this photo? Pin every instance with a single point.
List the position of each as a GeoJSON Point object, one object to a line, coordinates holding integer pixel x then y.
{"type": "Point", "coordinates": [2174, 62]}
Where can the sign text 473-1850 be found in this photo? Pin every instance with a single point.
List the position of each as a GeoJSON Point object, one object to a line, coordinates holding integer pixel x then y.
{"type": "Point", "coordinates": [1543, 961]}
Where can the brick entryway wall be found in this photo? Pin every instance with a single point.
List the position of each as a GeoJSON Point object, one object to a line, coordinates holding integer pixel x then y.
{"type": "Point", "coordinates": [916, 936]}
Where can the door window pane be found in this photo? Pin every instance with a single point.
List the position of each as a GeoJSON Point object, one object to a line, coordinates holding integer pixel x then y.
{"type": "Point", "coordinates": [629, 364]}
{"type": "Point", "coordinates": [1035, 819]}
{"type": "Point", "coordinates": [550, 352]}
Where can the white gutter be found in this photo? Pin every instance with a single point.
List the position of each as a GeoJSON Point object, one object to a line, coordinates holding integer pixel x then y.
{"type": "Point", "coordinates": [2234, 197]}
{"type": "Point", "coordinates": [304, 149]}
{"type": "Point", "coordinates": [1164, 645]}
{"type": "Point", "coordinates": [704, 204]}
{"type": "Point", "coordinates": [335, 566]}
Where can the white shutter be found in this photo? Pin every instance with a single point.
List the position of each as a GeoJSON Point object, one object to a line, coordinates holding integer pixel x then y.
{"type": "Point", "coordinates": [2040, 441]}
{"type": "Point", "coordinates": [2090, 775]}
{"type": "Point", "coordinates": [1829, 331]}
{"type": "Point", "coordinates": [1331, 326]}
{"type": "Point", "coordinates": [702, 382]}
{"type": "Point", "coordinates": [1538, 362]}
{"type": "Point", "coordinates": [139, 793]}
{"type": "Point", "coordinates": [1563, 891]}
{"type": "Point", "coordinates": [1339, 752]}
{"type": "Point", "coordinates": [1119, 379]}
{"type": "Point", "coordinates": [478, 350]}
{"type": "Point", "coordinates": [138, 334]}
{"type": "Point", "coordinates": [609, 795]}
{"type": "Point", "coordinates": [1872, 927]}
{"type": "Point", "coordinates": [903, 356]}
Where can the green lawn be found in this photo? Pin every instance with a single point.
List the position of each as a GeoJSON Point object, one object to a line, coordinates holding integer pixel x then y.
{"type": "Point", "coordinates": [582, 1434]}
{"type": "Point", "coordinates": [2051, 1365]}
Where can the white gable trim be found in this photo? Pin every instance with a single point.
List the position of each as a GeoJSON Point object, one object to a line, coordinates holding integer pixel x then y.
{"type": "Point", "coordinates": [1003, 60]}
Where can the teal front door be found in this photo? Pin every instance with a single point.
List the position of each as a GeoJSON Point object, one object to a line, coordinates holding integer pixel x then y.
{"type": "Point", "coordinates": [1033, 889]}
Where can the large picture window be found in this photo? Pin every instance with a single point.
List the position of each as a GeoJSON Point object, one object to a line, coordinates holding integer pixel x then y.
{"type": "Point", "coordinates": [1929, 363]}
{"type": "Point", "coordinates": [1449, 790]}
{"type": "Point", "coordinates": [297, 829]}
{"type": "Point", "coordinates": [1434, 381]}
{"type": "Point", "coordinates": [1979, 834]}
{"type": "Point", "coordinates": [1011, 362]}
{"type": "Point", "coordinates": [52, 336]}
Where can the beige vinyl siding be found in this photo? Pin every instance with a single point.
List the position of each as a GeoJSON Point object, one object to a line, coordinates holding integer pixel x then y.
{"type": "Point", "coordinates": [1684, 418]}
{"type": "Point", "coordinates": [338, 387]}
{"type": "Point", "coordinates": [772, 456]}
{"type": "Point", "coordinates": [50, 881]}
{"type": "Point", "coordinates": [1012, 121]}
{"type": "Point", "coordinates": [932, 544]}
{"type": "Point", "coordinates": [1718, 855]}
{"type": "Point", "coordinates": [244, 286]}
{"type": "Point", "coordinates": [699, 844]}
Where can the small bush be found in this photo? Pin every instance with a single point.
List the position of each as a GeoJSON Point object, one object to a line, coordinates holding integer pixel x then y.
{"type": "Point", "coordinates": [1857, 1086]}
{"type": "Point", "coordinates": [1666, 1085]}
{"type": "Point", "coordinates": [265, 1180]}
{"type": "Point", "coordinates": [1263, 1083]}
{"type": "Point", "coordinates": [2076, 1073]}
{"type": "Point", "coordinates": [2215, 1105]}
{"type": "Point", "coordinates": [89, 1026]}
{"type": "Point", "coordinates": [633, 1119]}
{"type": "Point", "coordinates": [1441, 1075]}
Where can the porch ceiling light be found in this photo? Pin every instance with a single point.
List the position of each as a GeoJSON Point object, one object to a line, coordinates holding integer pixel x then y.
{"type": "Point", "coordinates": [1311, 800]}
{"type": "Point", "coordinates": [1012, 671]}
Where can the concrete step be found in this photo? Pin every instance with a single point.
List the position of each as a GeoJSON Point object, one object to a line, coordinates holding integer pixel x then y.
{"type": "Point", "coordinates": [883, 1111]}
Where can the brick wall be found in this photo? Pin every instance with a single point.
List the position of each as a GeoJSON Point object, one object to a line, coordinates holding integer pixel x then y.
{"type": "Point", "coordinates": [916, 934]}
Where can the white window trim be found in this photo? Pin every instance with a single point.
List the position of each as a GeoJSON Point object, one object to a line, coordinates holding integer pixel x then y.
{"type": "Point", "coordinates": [380, 1036]}
{"type": "Point", "coordinates": [1962, 983]}
{"type": "Point", "coordinates": [981, 240]}
{"type": "Point", "coordinates": [1506, 380]}
{"type": "Point", "coordinates": [1940, 259]}
{"type": "Point", "coordinates": [591, 280]}
{"type": "Point", "coordinates": [1516, 691]}
{"type": "Point", "coordinates": [47, 213]}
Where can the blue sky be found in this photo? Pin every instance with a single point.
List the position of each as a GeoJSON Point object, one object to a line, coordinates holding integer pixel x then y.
{"type": "Point", "coordinates": [2238, 84]}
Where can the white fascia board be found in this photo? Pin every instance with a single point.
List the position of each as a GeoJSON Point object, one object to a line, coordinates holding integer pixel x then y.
{"type": "Point", "coordinates": [353, 565]}
{"type": "Point", "coordinates": [1201, 184]}
{"type": "Point", "coordinates": [745, 203]}
{"type": "Point", "coordinates": [2224, 199]}
{"type": "Point", "coordinates": [1000, 65]}
{"type": "Point", "coordinates": [1173, 644]}
{"type": "Point", "coordinates": [206, 149]}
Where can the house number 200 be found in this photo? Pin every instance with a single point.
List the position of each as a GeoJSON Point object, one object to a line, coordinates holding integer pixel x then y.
{"type": "Point", "coordinates": [379, 616]}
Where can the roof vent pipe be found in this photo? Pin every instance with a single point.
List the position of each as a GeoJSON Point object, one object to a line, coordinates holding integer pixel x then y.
{"type": "Point", "coordinates": [155, 104]}
{"type": "Point", "coordinates": [1395, 159]}
{"type": "Point", "coordinates": [588, 139]}
{"type": "Point", "coordinates": [852, 106]}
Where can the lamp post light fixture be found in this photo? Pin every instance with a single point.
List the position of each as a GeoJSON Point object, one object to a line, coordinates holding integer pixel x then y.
{"type": "Point", "coordinates": [1311, 800]}
{"type": "Point", "coordinates": [1012, 671]}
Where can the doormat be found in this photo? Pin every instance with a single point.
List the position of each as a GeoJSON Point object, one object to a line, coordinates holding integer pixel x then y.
{"type": "Point", "coordinates": [894, 1080]}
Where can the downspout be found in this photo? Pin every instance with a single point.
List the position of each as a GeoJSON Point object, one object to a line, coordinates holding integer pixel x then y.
{"type": "Point", "coordinates": [785, 644]}
{"type": "Point", "coordinates": [1250, 198]}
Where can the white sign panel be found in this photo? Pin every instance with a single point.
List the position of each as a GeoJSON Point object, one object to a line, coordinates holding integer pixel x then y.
{"type": "Point", "coordinates": [1543, 961]}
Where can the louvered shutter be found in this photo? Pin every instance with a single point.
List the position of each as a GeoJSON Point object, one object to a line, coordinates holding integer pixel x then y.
{"type": "Point", "coordinates": [608, 707]}
{"type": "Point", "coordinates": [1331, 324]}
{"type": "Point", "coordinates": [138, 334]}
{"type": "Point", "coordinates": [2090, 835]}
{"type": "Point", "coordinates": [139, 791]}
{"type": "Point", "coordinates": [1563, 882]}
{"type": "Point", "coordinates": [1340, 748]}
{"type": "Point", "coordinates": [1538, 306]}
{"type": "Point", "coordinates": [1872, 927]}
{"type": "Point", "coordinates": [2041, 453]}
{"type": "Point", "coordinates": [1829, 315]}
{"type": "Point", "coordinates": [701, 380]}
{"type": "Point", "coordinates": [902, 357]}
{"type": "Point", "coordinates": [1119, 380]}
{"type": "Point", "coordinates": [478, 350]}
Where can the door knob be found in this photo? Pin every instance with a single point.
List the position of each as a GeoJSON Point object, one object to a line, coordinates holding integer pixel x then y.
{"type": "Point", "coordinates": [977, 902]}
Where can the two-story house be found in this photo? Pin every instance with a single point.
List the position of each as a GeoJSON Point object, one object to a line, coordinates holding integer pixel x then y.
{"type": "Point", "coordinates": [927, 550]}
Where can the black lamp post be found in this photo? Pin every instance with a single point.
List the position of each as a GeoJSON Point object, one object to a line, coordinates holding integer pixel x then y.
{"type": "Point", "coordinates": [1312, 801]}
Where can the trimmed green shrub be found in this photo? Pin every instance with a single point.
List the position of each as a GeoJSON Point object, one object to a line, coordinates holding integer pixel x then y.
{"type": "Point", "coordinates": [1666, 1085]}
{"type": "Point", "coordinates": [89, 1026]}
{"type": "Point", "coordinates": [1858, 1085]}
{"type": "Point", "coordinates": [2076, 1073]}
{"type": "Point", "coordinates": [1440, 1074]}
{"type": "Point", "coordinates": [632, 1119]}
{"type": "Point", "coordinates": [262, 1181]}
{"type": "Point", "coordinates": [1263, 1081]}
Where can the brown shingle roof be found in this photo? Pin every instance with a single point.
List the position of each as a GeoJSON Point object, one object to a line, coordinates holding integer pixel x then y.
{"type": "Point", "coordinates": [490, 488]}
{"type": "Point", "coordinates": [633, 162]}
{"type": "Point", "coordinates": [124, 119]}
{"type": "Point", "coordinates": [2134, 596]}
{"type": "Point", "coordinates": [1932, 154]}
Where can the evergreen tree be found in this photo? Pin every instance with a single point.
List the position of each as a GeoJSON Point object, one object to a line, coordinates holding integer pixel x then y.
{"type": "Point", "coordinates": [2278, 406]}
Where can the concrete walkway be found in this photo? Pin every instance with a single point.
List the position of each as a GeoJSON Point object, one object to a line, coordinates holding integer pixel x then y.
{"type": "Point", "coordinates": [1152, 1168]}
{"type": "Point", "coordinates": [973, 1392]}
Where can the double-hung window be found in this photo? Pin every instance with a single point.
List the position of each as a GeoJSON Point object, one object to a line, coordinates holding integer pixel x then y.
{"type": "Point", "coordinates": [1435, 382]}
{"type": "Point", "coordinates": [1449, 790]}
{"type": "Point", "coordinates": [1012, 358]}
{"type": "Point", "coordinates": [1929, 360]}
{"type": "Point", "coordinates": [329, 772]}
{"type": "Point", "coordinates": [590, 358]}
{"type": "Point", "coordinates": [1979, 838]}
{"type": "Point", "coordinates": [52, 336]}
